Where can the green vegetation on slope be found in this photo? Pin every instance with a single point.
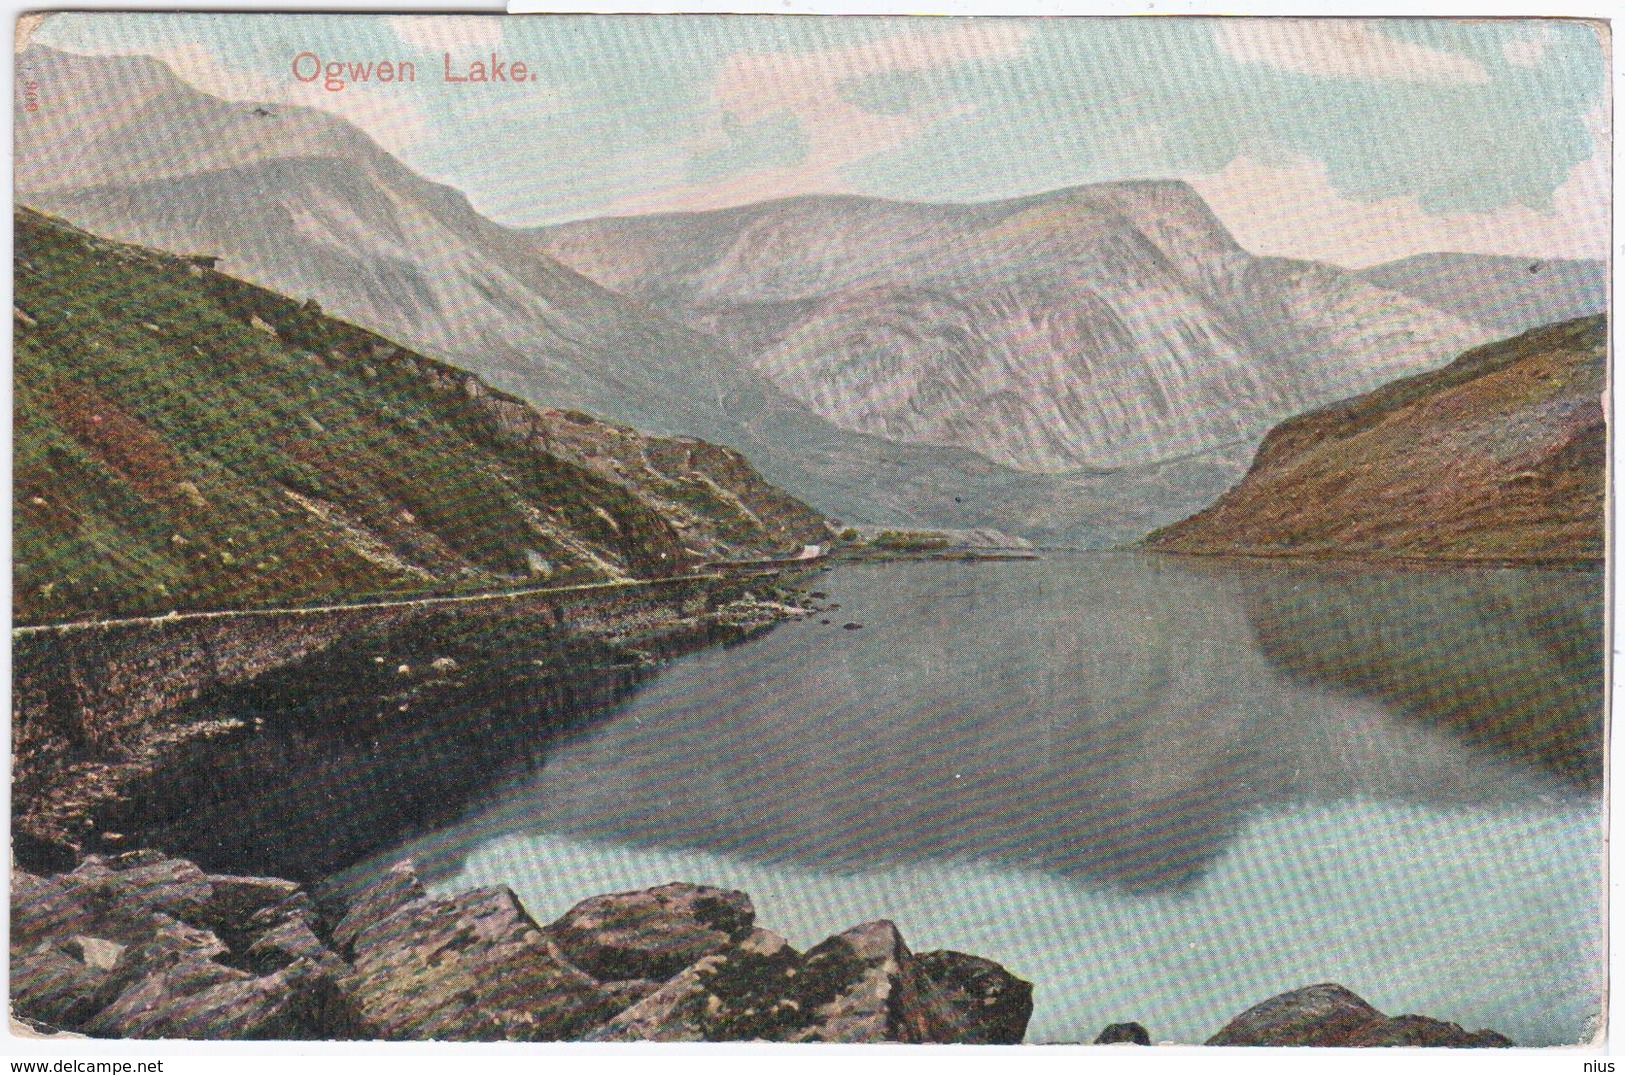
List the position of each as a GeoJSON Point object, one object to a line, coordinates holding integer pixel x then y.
{"type": "Point", "coordinates": [184, 440]}
{"type": "Point", "coordinates": [1500, 456]}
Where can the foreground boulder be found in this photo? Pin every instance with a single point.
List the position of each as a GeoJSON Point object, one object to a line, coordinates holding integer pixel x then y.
{"type": "Point", "coordinates": [55, 987]}
{"type": "Point", "coordinates": [474, 967]}
{"type": "Point", "coordinates": [201, 998]}
{"type": "Point", "coordinates": [746, 992]}
{"type": "Point", "coordinates": [986, 1004]}
{"type": "Point", "coordinates": [1124, 1034]}
{"type": "Point", "coordinates": [141, 945]}
{"type": "Point", "coordinates": [653, 934]}
{"type": "Point", "coordinates": [1419, 1030]}
{"type": "Point", "coordinates": [127, 947]}
{"type": "Point", "coordinates": [862, 985]}
{"type": "Point", "coordinates": [1331, 1016]}
{"type": "Point", "coordinates": [864, 989]}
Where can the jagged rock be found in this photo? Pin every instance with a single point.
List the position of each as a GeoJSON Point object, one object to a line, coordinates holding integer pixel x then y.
{"type": "Point", "coordinates": [871, 996]}
{"type": "Point", "coordinates": [299, 905]}
{"type": "Point", "coordinates": [618, 996]}
{"type": "Point", "coordinates": [298, 910]}
{"type": "Point", "coordinates": [1320, 1015]}
{"type": "Point", "coordinates": [989, 1005]}
{"type": "Point", "coordinates": [1419, 1030]}
{"type": "Point", "coordinates": [51, 985]}
{"type": "Point", "coordinates": [46, 907]}
{"type": "Point", "coordinates": [748, 992]}
{"type": "Point", "coordinates": [398, 887]}
{"type": "Point", "coordinates": [145, 879]}
{"type": "Point", "coordinates": [654, 933]}
{"type": "Point", "coordinates": [286, 943]}
{"type": "Point", "coordinates": [119, 949]}
{"type": "Point", "coordinates": [97, 952]}
{"type": "Point", "coordinates": [171, 942]}
{"type": "Point", "coordinates": [1124, 1034]}
{"type": "Point", "coordinates": [235, 900]}
{"type": "Point", "coordinates": [1331, 1016]}
{"type": "Point", "coordinates": [862, 985]}
{"type": "Point", "coordinates": [472, 968]}
{"type": "Point", "coordinates": [171, 993]}
{"type": "Point", "coordinates": [195, 998]}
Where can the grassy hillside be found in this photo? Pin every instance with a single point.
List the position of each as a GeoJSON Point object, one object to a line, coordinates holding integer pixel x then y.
{"type": "Point", "coordinates": [184, 440]}
{"type": "Point", "coordinates": [1499, 457]}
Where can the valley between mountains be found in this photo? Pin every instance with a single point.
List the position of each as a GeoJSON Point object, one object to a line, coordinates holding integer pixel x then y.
{"type": "Point", "coordinates": [1075, 368]}
{"type": "Point", "coordinates": [349, 522]}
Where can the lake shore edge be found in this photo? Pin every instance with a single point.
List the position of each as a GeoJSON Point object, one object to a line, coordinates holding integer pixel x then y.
{"type": "Point", "coordinates": [141, 945]}
{"type": "Point", "coordinates": [100, 708]}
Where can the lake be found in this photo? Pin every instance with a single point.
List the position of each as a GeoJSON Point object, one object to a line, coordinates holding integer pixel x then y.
{"type": "Point", "coordinates": [1160, 789]}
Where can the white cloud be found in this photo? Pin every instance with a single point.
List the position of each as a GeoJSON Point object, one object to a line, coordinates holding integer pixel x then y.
{"type": "Point", "coordinates": [1290, 209]}
{"type": "Point", "coordinates": [1341, 48]}
{"type": "Point", "coordinates": [438, 33]}
{"type": "Point", "coordinates": [1530, 49]}
{"type": "Point", "coordinates": [754, 86]}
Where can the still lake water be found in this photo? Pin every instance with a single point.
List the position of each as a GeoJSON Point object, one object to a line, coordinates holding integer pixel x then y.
{"type": "Point", "coordinates": [1161, 790]}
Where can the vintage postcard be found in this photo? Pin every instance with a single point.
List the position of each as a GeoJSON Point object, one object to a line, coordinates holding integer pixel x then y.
{"type": "Point", "coordinates": [810, 529]}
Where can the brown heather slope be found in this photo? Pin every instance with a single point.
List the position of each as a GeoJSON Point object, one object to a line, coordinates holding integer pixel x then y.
{"type": "Point", "coordinates": [1501, 456]}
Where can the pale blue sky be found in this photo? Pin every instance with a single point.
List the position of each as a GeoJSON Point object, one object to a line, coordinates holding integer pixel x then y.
{"type": "Point", "coordinates": [1396, 133]}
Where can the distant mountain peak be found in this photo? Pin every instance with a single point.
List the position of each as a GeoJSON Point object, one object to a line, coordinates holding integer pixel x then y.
{"type": "Point", "coordinates": [165, 128]}
{"type": "Point", "coordinates": [1508, 293]}
{"type": "Point", "coordinates": [1077, 365]}
{"type": "Point", "coordinates": [1094, 327]}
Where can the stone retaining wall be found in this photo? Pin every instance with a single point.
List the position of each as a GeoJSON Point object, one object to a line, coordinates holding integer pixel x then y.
{"type": "Point", "coordinates": [84, 689]}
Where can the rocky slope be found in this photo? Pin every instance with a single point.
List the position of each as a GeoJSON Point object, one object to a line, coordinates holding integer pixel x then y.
{"type": "Point", "coordinates": [185, 440]}
{"type": "Point", "coordinates": [1499, 457]}
{"type": "Point", "coordinates": [1095, 328]}
{"type": "Point", "coordinates": [302, 202]}
{"type": "Point", "coordinates": [146, 946]}
{"type": "Point", "coordinates": [1077, 368]}
{"type": "Point", "coordinates": [143, 945]}
{"type": "Point", "coordinates": [1505, 293]}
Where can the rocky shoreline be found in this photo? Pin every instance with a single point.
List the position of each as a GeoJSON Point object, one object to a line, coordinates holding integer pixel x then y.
{"type": "Point", "coordinates": [144, 945]}
{"type": "Point", "coordinates": [106, 721]}
{"type": "Point", "coordinates": [149, 944]}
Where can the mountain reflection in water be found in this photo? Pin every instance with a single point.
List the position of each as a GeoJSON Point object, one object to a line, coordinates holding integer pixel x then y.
{"type": "Point", "coordinates": [1114, 719]}
{"type": "Point", "coordinates": [1511, 660]}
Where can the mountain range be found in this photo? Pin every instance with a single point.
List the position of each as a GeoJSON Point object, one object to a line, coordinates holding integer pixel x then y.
{"type": "Point", "coordinates": [1096, 328]}
{"type": "Point", "coordinates": [1508, 294]}
{"type": "Point", "coordinates": [1078, 367]}
{"type": "Point", "coordinates": [186, 440]}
